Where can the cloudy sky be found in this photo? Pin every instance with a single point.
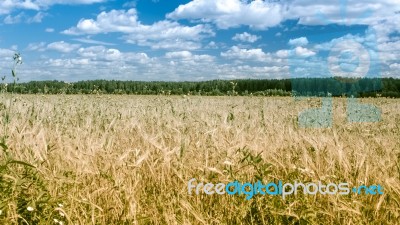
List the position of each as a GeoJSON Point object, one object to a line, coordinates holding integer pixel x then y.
{"type": "Point", "coordinates": [73, 40]}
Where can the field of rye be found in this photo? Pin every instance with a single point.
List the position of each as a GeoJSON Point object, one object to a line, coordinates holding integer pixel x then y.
{"type": "Point", "coordinates": [128, 159]}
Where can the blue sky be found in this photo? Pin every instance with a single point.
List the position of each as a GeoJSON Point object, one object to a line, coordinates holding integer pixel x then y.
{"type": "Point", "coordinates": [73, 40]}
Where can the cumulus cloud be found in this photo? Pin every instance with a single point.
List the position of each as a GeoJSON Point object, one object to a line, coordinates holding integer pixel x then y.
{"type": "Point", "coordinates": [304, 52]}
{"type": "Point", "coordinates": [245, 54]}
{"type": "Point", "coordinates": [14, 19]}
{"type": "Point", "coordinates": [22, 17]}
{"type": "Point", "coordinates": [7, 6]}
{"type": "Point", "coordinates": [37, 46]}
{"type": "Point", "coordinates": [6, 52]}
{"type": "Point", "coordinates": [282, 53]}
{"type": "Point", "coordinates": [130, 4]}
{"type": "Point", "coordinates": [62, 46]}
{"type": "Point", "coordinates": [91, 41]}
{"type": "Point", "coordinates": [246, 37]}
{"type": "Point", "coordinates": [395, 66]}
{"type": "Point", "coordinates": [98, 62]}
{"type": "Point", "coordinates": [167, 35]}
{"type": "Point", "coordinates": [255, 72]}
{"type": "Point", "coordinates": [113, 21]}
{"type": "Point", "coordinates": [260, 14]}
{"type": "Point", "coordinates": [381, 47]}
{"type": "Point", "coordinates": [182, 60]}
{"type": "Point", "coordinates": [67, 63]}
{"type": "Point", "coordinates": [94, 62]}
{"type": "Point", "coordinates": [36, 18]}
{"type": "Point", "coordinates": [163, 34]}
{"type": "Point", "coordinates": [101, 53]}
{"type": "Point", "coordinates": [256, 14]}
{"type": "Point", "coordinates": [6, 59]}
{"type": "Point", "coordinates": [345, 12]}
{"type": "Point", "coordinates": [180, 54]}
{"type": "Point", "coordinates": [177, 44]}
{"type": "Point", "coordinates": [302, 41]}
{"type": "Point", "coordinates": [188, 56]}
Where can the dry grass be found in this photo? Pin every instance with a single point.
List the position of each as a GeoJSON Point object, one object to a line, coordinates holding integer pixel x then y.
{"type": "Point", "coordinates": [127, 160]}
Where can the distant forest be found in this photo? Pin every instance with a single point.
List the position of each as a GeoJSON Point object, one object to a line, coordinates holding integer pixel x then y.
{"type": "Point", "coordinates": [366, 87]}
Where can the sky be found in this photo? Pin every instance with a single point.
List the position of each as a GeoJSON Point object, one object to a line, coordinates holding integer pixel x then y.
{"type": "Point", "coordinates": [183, 40]}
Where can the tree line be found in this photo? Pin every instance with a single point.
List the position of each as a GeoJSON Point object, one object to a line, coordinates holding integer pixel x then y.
{"type": "Point", "coordinates": [366, 87]}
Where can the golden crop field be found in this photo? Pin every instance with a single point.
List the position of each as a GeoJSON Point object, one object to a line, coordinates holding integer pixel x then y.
{"type": "Point", "coordinates": [128, 159]}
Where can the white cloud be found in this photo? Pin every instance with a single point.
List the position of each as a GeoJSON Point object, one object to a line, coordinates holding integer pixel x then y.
{"type": "Point", "coordinates": [282, 53]}
{"type": "Point", "coordinates": [255, 72]}
{"type": "Point", "coordinates": [37, 47]}
{"type": "Point", "coordinates": [36, 18]}
{"type": "Point", "coordinates": [302, 41]}
{"type": "Point", "coordinates": [130, 4]}
{"type": "Point", "coordinates": [101, 53]}
{"type": "Point", "coordinates": [95, 62]}
{"type": "Point", "coordinates": [162, 34]}
{"type": "Point", "coordinates": [327, 46]}
{"type": "Point", "coordinates": [6, 60]}
{"type": "Point", "coordinates": [49, 30]}
{"type": "Point", "coordinates": [187, 56]}
{"type": "Point", "coordinates": [256, 14]}
{"type": "Point", "coordinates": [91, 41]}
{"type": "Point", "coordinates": [113, 21]}
{"type": "Point", "coordinates": [6, 52]}
{"type": "Point", "coordinates": [180, 54]}
{"type": "Point", "coordinates": [259, 14]}
{"type": "Point", "coordinates": [66, 2]}
{"type": "Point", "coordinates": [395, 66]}
{"type": "Point", "coordinates": [14, 19]}
{"type": "Point", "coordinates": [304, 52]}
{"type": "Point", "coordinates": [345, 12]}
{"type": "Point", "coordinates": [212, 45]}
{"type": "Point", "coordinates": [387, 50]}
{"type": "Point", "coordinates": [376, 49]}
{"type": "Point", "coordinates": [62, 46]}
{"type": "Point", "coordinates": [183, 62]}
{"type": "Point", "coordinates": [98, 62]}
{"type": "Point", "coordinates": [246, 54]}
{"type": "Point", "coordinates": [67, 63]}
{"type": "Point", "coordinates": [7, 6]}
{"type": "Point", "coordinates": [22, 17]}
{"type": "Point", "coordinates": [383, 28]}
{"type": "Point", "coordinates": [167, 34]}
{"type": "Point", "coordinates": [246, 37]}
{"type": "Point", "coordinates": [263, 69]}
